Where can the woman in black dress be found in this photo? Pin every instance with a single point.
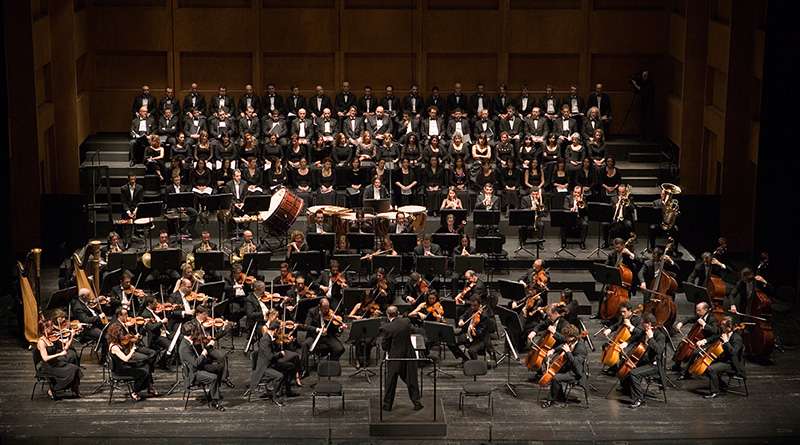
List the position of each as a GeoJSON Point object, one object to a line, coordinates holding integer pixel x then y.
{"type": "Point", "coordinates": [559, 178]}
{"type": "Point", "coordinates": [459, 178]}
{"type": "Point", "coordinates": [527, 153]}
{"type": "Point", "coordinates": [457, 148]}
{"type": "Point", "coordinates": [504, 149]}
{"type": "Point", "coordinates": [433, 179]}
{"type": "Point", "coordinates": [405, 181]}
{"type": "Point", "coordinates": [326, 181]}
{"type": "Point", "coordinates": [610, 179]}
{"type": "Point", "coordinates": [203, 148]}
{"type": "Point", "coordinates": [551, 152]}
{"type": "Point", "coordinates": [276, 175]}
{"type": "Point", "coordinates": [574, 152]}
{"type": "Point", "coordinates": [486, 175]}
{"type": "Point", "coordinates": [597, 149]}
{"type": "Point", "coordinates": [389, 151]}
{"type": "Point", "coordinates": [120, 362]}
{"type": "Point", "coordinates": [341, 152]}
{"type": "Point", "coordinates": [510, 180]}
{"type": "Point", "coordinates": [382, 171]}
{"type": "Point", "coordinates": [480, 150]}
{"type": "Point", "coordinates": [433, 150]}
{"type": "Point", "coordinates": [178, 167]}
{"type": "Point", "coordinates": [224, 149]}
{"type": "Point", "coordinates": [248, 149]}
{"type": "Point", "coordinates": [303, 178]}
{"type": "Point", "coordinates": [223, 174]}
{"type": "Point", "coordinates": [272, 149]}
{"type": "Point", "coordinates": [201, 179]}
{"type": "Point", "coordinates": [365, 150]}
{"type": "Point", "coordinates": [586, 177]}
{"type": "Point", "coordinates": [295, 153]}
{"type": "Point", "coordinates": [180, 148]}
{"type": "Point", "coordinates": [253, 176]}
{"type": "Point", "coordinates": [533, 177]}
{"type": "Point", "coordinates": [154, 157]}
{"type": "Point", "coordinates": [411, 150]}
{"type": "Point", "coordinates": [319, 151]}
{"type": "Point", "coordinates": [357, 178]}
{"type": "Point", "coordinates": [52, 361]}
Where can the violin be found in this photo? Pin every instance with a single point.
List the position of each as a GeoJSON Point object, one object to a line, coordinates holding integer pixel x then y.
{"type": "Point", "coordinates": [99, 301]}
{"type": "Point", "coordinates": [194, 296]}
{"type": "Point", "coordinates": [214, 322]}
{"type": "Point", "coordinates": [133, 291]}
{"type": "Point", "coordinates": [373, 309]}
{"type": "Point", "coordinates": [473, 322]}
{"type": "Point", "coordinates": [271, 298]}
{"type": "Point", "coordinates": [436, 309]}
{"type": "Point", "coordinates": [710, 354]}
{"type": "Point", "coordinates": [246, 279]}
{"type": "Point", "coordinates": [333, 318]}
{"type": "Point", "coordinates": [288, 279]}
{"type": "Point", "coordinates": [421, 287]}
{"type": "Point", "coordinates": [540, 278]}
{"type": "Point", "coordinates": [528, 308]}
{"type": "Point", "coordinates": [460, 297]}
{"type": "Point", "coordinates": [558, 363]}
{"type": "Point", "coordinates": [340, 280]}
{"type": "Point", "coordinates": [166, 307]}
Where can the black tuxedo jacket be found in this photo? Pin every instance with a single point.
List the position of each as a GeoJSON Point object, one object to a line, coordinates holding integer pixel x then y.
{"type": "Point", "coordinates": [540, 129]}
{"type": "Point", "coordinates": [558, 126]}
{"type": "Point", "coordinates": [150, 123]}
{"type": "Point", "coordinates": [347, 127]}
{"type": "Point", "coordinates": [254, 127]}
{"type": "Point", "coordinates": [394, 109]}
{"type": "Point", "coordinates": [343, 102]}
{"type": "Point", "coordinates": [270, 126]}
{"type": "Point", "coordinates": [197, 246]}
{"type": "Point", "coordinates": [513, 130]}
{"type": "Point", "coordinates": [489, 130]}
{"type": "Point", "coordinates": [605, 103]}
{"type": "Point", "coordinates": [457, 101]}
{"type": "Point", "coordinates": [473, 104]}
{"type": "Point", "coordinates": [267, 107]}
{"type": "Point", "coordinates": [376, 126]}
{"type": "Point", "coordinates": [581, 104]}
{"type": "Point", "coordinates": [225, 102]}
{"type": "Point", "coordinates": [168, 127]}
{"type": "Point", "coordinates": [199, 103]}
{"type": "Point", "coordinates": [524, 111]}
{"type": "Point", "coordinates": [437, 102]}
{"type": "Point", "coordinates": [152, 103]}
{"type": "Point", "coordinates": [414, 104]}
{"type": "Point", "coordinates": [128, 203]}
{"type": "Point", "coordinates": [309, 125]}
{"type": "Point", "coordinates": [255, 102]}
{"type": "Point", "coordinates": [216, 130]}
{"type": "Point", "coordinates": [543, 105]}
{"type": "Point", "coordinates": [171, 103]}
{"type": "Point", "coordinates": [320, 126]}
{"type": "Point", "coordinates": [316, 111]}
{"type": "Point", "coordinates": [451, 127]}
{"type": "Point", "coordinates": [230, 187]}
{"type": "Point", "coordinates": [189, 128]}
{"type": "Point", "coordinates": [293, 105]}
{"type": "Point", "coordinates": [367, 106]}
{"type": "Point", "coordinates": [499, 104]}
{"type": "Point", "coordinates": [397, 338]}
{"type": "Point", "coordinates": [698, 275]}
{"type": "Point", "coordinates": [424, 126]}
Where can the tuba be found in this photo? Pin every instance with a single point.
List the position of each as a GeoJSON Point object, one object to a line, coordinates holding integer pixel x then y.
{"type": "Point", "coordinates": [671, 208]}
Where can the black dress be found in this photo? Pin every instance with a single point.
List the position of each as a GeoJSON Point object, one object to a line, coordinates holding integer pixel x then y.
{"type": "Point", "coordinates": [64, 375]}
{"type": "Point", "coordinates": [223, 175]}
{"type": "Point", "coordinates": [409, 198]}
{"type": "Point", "coordinates": [275, 180]}
{"type": "Point", "coordinates": [510, 177]}
{"type": "Point", "coordinates": [505, 152]}
{"type": "Point", "coordinates": [202, 152]}
{"type": "Point", "coordinates": [273, 151]}
{"type": "Point", "coordinates": [141, 376]}
{"type": "Point", "coordinates": [341, 156]}
{"type": "Point", "coordinates": [228, 151]}
{"type": "Point", "coordinates": [432, 178]}
{"type": "Point", "coordinates": [327, 181]}
{"type": "Point", "coordinates": [303, 180]}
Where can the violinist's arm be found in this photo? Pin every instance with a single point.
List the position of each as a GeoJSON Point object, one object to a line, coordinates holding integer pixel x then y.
{"type": "Point", "coordinates": [353, 312]}
{"type": "Point", "coordinates": [43, 351]}
{"type": "Point", "coordinates": [418, 311]}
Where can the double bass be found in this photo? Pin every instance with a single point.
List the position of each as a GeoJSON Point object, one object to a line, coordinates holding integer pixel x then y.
{"type": "Point", "coordinates": [758, 337]}
{"type": "Point", "coordinates": [615, 294]}
{"type": "Point", "coordinates": [664, 287]}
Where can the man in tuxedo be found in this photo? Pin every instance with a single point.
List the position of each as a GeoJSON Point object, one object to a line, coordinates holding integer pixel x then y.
{"type": "Point", "coordinates": [195, 357]}
{"type": "Point", "coordinates": [195, 123]}
{"type": "Point", "coordinates": [367, 103]}
{"type": "Point", "coordinates": [193, 100]}
{"type": "Point", "coordinates": [601, 100]}
{"type": "Point", "coordinates": [324, 286]}
{"type": "Point", "coordinates": [247, 100]}
{"type": "Point", "coordinates": [549, 103]}
{"type": "Point", "coordinates": [303, 128]}
{"type": "Point", "coordinates": [327, 126]}
{"type": "Point", "coordinates": [705, 269]}
{"type": "Point", "coordinates": [524, 103]}
{"type": "Point", "coordinates": [184, 310]}
{"type": "Point", "coordinates": [514, 126]}
{"type": "Point", "coordinates": [271, 100]}
{"type": "Point", "coordinates": [656, 230]}
{"type": "Point", "coordinates": [145, 100]}
{"type": "Point", "coordinates": [294, 103]}
{"type": "Point", "coordinates": [379, 124]}
{"type": "Point", "coordinates": [369, 191]}
{"type": "Point", "coordinates": [533, 201]}
{"type": "Point", "coordinates": [659, 260]}
{"type": "Point", "coordinates": [169, 102]}
{"type": "Point", "coordinates": [319, 102]}
{"type": "Point", "coordinates": [458, 124]}
{"type": "Point", "coordinates": [191, 213]}
{"type": "Point", "coordinates": [390, 103]}
{"type": "Point", "coordinates": [537, 127]}
{"type": "Point", "coordinates": [624, 227]}
{"type": "Point", "coordinates": [487, 199]}
{"type": "Point", "coordinates": [571, 205]}
{"type": "Point", "coordinates": [167, 128]}
{"type": "Point", "coordinates": [142, 126]}
{"type": "Point", "coordinates": [317, 321]}
{"type": "Point", "coordinates": [732, 358]}
{"type": "Point", "coordinates": [205, 244]}
{"type": "Point", "coordinates": [650, 364]}
{"type": "Point", "coordinates": [414, 103]}
{"type": "Point", "coordinates": [397, 341]}
{"type": "Point", "coordinates": [575, 353]}
{"type": "Point", "coordinates": [318, 225]}
{"type": "Point", "coordinates": [238, 189]}
{"type": "Point", "coordinates": [130, 195]}
{"type": "Point", "coordinates": [220, 124]}
{"type": "Point", "coordinates": [352, 126]}
{"type": "Point", "coordinates": [500, 103]}
{"type": "Point", "coordinates": [479, 339]}
{"type": "Point", "coordinates": [344, 100]}
{"type": "Point", "coordinates": [91, 317]}
{"type": "Point", "coordinates": [431, 126]}
{"type": "Point", "coordinates": [455, 100]}
{"type": "Point", "coordinates": [268, 365]}
{"type": "Point", "coordinates": [704, 319]}
{"type": "Point", "coordinates": [564, 126]}
{"type": "Point", "coordinates": [577, 107]}
{"type": "Point", "coordinates": [428, 247]}
{"type": "Point", "coordinates": [478, 102]}
{"type": "Point", "coordinates": [249, 124]}
{"type": "Point", "coordinates": [222, 100]}
{"type": "Point", "coordinates": [435, 100]}
{"type": "Point", "coordinates": [484, 125]}
{"type": "Point", "coordinates": [274, 123]}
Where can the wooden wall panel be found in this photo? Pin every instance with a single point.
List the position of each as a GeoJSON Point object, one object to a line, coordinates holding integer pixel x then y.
{"type": "Point", "coordinates": [644, 5]}
{"type": "Point", "coordinates": [612, 70]}
{"type": "Point", "coordinates": [543, 32]}
{"type": "Point", "coordinates": [214, 4]}
{"type": "Point", "coordinates": [130, 70]}
{"type": "Point", "coordinates": [111, 110]}
{"type": "Point", "coordinates": [41, 39]}
{"type": "Point", "coordinates": [389, 31]}
{"type": "Point", "coordinates": [458, 31]}
{"type": "Point", "coordinates": [306, 70]}
{"type": "Point", "coordinates": [81, 31]}
{"type": "Point", "coordinates": [229, 30]}
{"type": "Point", "coordinates": [234, 70]}
{"type": "Point", "coordinates": [120, 29]}
{"type": "Point", "coordinates": [540, 70]}
{"type": "Point", "coordinates": [379, 70]}
{"type": "Point", "coordinates": [560, 5]}
{"type": "Point", "coordinates": [676, 45]}
{"type": "Point", "coordinates": [312, 30]}
{"type": "Point", "coordinates": [307, 4]}
{"type": "Point", "coordinates": [131, 3]}
{"type": "Point", "coordinates": [463, 4]}
{"type": "Point", "coordinates": [445, 70]}
{"type": "Point", "coordinates": [719, 41]}
{"type": "Point", "coordinates": [627, 31]}
{"type": "Point", "coordinates": [383, 4]}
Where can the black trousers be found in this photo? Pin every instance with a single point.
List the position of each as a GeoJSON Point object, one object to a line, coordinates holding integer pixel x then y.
{"type": "Point", "coordinates": [210, 375]}
{"type": "Point", "coordinates": [406, 370]}
{"type": "Point", "coordinates": [715, 372]}
{"type": "Point", "coordinates": [557, 384]}
{"type": "Point", "coordinates": [326, 346]}
{"type": "Point", "coordinates": [633, 383]}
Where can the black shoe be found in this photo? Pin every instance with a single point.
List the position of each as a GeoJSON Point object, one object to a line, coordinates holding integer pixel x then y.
{"type": "Point", "coordinates": [228, 383]}
{"type": "Point", "coordinates": [676, 367]}
{"type": "Point", "coordinates": [547, 404]}
{"type": "Point", "coordinates": [278, 402]}
{"type": "Point", "coordinates": [387, 407]}
{"type": "Point", "coordinates": [217, 406]}
{"type": "Point", "coordinates": [594, 317]}
{"type": "Point", "coordinates": [583, 246]}
{"type": "Point", "coordinates": [636, 404]}
{"type": "Point", "coordinates": [713, 395]}
{"type": "Point", "coordinates": [303, 374]}
{"type": "Point", "coordinates": [133, 163]}
{"type": "Point", "coordinates": [684, 377]}
{"type": "Point", "coordinates": [604, 246]}
{"type": "Point", "coordinates": [418, 406]}
{"type": "Point", "coordinates": [292, 394]}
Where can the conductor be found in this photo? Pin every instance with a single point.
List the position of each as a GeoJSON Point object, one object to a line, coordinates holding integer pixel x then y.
{"type": "Point", "coordinates": [397, 340]}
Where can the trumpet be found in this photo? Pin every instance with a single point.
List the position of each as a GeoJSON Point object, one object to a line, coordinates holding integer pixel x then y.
{"type": "Point", "coordinates": [581, 203]}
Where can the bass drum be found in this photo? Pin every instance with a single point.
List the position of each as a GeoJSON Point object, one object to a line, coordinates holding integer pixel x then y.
{"type": "Point", "coordinates": [284, 208]}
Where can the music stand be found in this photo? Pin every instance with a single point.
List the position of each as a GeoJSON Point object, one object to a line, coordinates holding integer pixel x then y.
{"type": "Point", "coordinates": [280, 289]}
{"type": "Point", "coordinates": [310, 260]}
{"type": "Point", "coordinates": [350, 262]}
{"type": "Point", "coordinates": [695, 293]}
{"type": "Point", "coordinates": [178, 201]}
{"type": "Point", "coordinates": [447, 241]}
{"type": "Point", "coordinates": [214, 260]}
{"type": "Point", "coordinates": [563, 219]}
{"type": "Point", "coordinates": [151, 209]}
{"type": "Point", "coordinates": [512, 290]}
{"type": "Point", "coordinates": [459, 215]}
{"type": "Point", "coordinates": [432, 265]}
{"type": "Point", "coordinates": [599, 212]}
{"type": "Point", "coordinates": [352, 296]}
{"type": "Point", "coordinates": [361, 241]}
{"type": "Point", "coordinates": [389, 263]}
{"type": "Point", "coordinates": [215, 289]}
{"type": "Point", "coordinates": [525, 217]}
{"type": "Point", "coordinates": [61, 298]}
{"type": "Point", "coordinates": [122, 260]}
{"type": "Point", "coordinates": [441, 333]}
{"type": "Point", "coordinates": [377, 205]}
{"type": "Point", "coordinates": [223, 201]}
{"type": "Point", "coordinates": [364, 330]}
{"type": "Point", "coordinates": [486, 217]}
{"type": "Point", "coordinates": [323, 242]}
{"type": "Point", "coordinates": [254, 204]}
{"type": "Point", "coordinates": [648, 215]}
{"type": "Point", "coordinates": [463, 263]}
{"type": "Point", "coordinates": [165, 259]}
{"type": "Point", "coordinates": [110, 280]}
{"type": "Point", "coordinates": [260, 261]}
{"type": "Point", "coordinates": [490, 245]}
{"type": "Point", "coordinates": [404, 242]}
{"type": "Point", "coordinates": [449, 307]}
{"type": "Point", "coordinates": [303, 306]}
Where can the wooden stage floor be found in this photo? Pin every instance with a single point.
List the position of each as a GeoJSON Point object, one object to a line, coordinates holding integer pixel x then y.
{"type": "Point", "coordinates": [769, 415]}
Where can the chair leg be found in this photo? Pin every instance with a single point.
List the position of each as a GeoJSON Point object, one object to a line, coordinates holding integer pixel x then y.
{"type": "Point", "coordinates": [34, 389]}
{"type": "Point", "coordinates": [342, 403]}
{"type": "Point", "coordinates": [186, 395]}
{"type": "Point", "coordinates": [130, 391]}
{"type": "Point", "coordinates": [313, 405]}
{"type": "Point", "coordinates": [111, 392]}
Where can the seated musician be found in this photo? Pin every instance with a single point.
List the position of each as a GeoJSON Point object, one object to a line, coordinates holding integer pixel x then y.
{"type": "Point", "coordinates": [538, 276]}
{"type": "Point", "coordinates": [360, 225]}
{"type": "Point", "coordinates": [553, 323]}
{"type": "Point", "coordinates": [201, 313]}
{"type": "Point", "coordinates": [430, 309]}
{"type": "Point", "coordinates": [647, 271]}
{"type": "Point", "coordinates": [630, 320]}
{"type": "Point", "coordinates": [237, 287]}
{"type": "Point", "coordinates": [464, 249]}
{"type": "Point", "coordinates": [450, 226]}
{"type": "Point", "coordinates": [428, 247]}
{"type": "Point", "coordinates": [191, 213]}
{"type": "Point", "coordinates": [383, 288]}
{"type": "Point", "coordinates": [194, 356]}
{"type": "Point", "coordinates": [624, 217]}
{"type": "Point", "coordinates": [576, 353]}
{"type": "Point", "coordinates": [533, 201]}
{"type": "Point", "coordinates": [474, 335]}
{"type": "Point", "coordinates": [529, 316]}
{"type": "Point", "coordinates": [415, 287]}
{"type": "Point", "coordinates": [123, 364]}
{"type": "Point", "coordinates": [656, 230]}
{"type": "Point", "coordinates": [487, 200]}
{"type": "Point", "coordinates": [299, 291]}
{"type": "Point", "coordinates": [572, 204]}
{"type": "Point", "coordinates": [473, 286]}
{"type": "Point", "coordinates": [297, 243]}
{"type": "Point", "coordinates": [246, 245]}
{"type": "Point", "coordinates": [320, 323]}
{"type": "Point", "coordinates": [288, 333]}
{"type": "Point", "coordinates": [156, 323]}
{"type": "Point", "coordinates": [123, 294]}
{"type": "Point", "coordinates": [744, 291]}
{"type": "Point", "coordinates": [62, 373]}
{"type": "Point", "coordinates": [85, 310]}
{"type": "Point", "coordinates": [451, 200]}
{"type": "Point", "coordinates": [570, 307]}
{"type": "Point", "coordinates": [205, 244]}
{"type": "Point", "coordinates": [267, 365]}
{"type": "Point", "coordinates": [188, 273]}
{"type": "Point", "coordinates": [144, 356]}
{"type": "Point", "coordinates": [285, 276]}
{"type": "Point", "coordinates": [343, 246]}
{"type": "Point", "coordinates": [184, 310]}
{"type": "Point", "coordinates": [650, 364]}
{"type": "Point", "coordinates": [706, 321]}
{"type": "Point", "coordinates": [66, 335]}
{"type": "Point", "coordinates": [710, 266]}
{"type": "Point", "coordinates": [621, 254]}
{"type": "Point", "coordinates": [365, 308]}
{"type": "Point", "coordinates": [402, 224]}
{"type": "Point", "coordinates": [730, 360]}
{"type": "Point", "coordinates": [318, 224]}
{"type": "Point", "coordinates": [256, 310]}
{"type": "Point", "coordinates": [331, 283]}
{"type": "Point", "coordinates": [112, 246]}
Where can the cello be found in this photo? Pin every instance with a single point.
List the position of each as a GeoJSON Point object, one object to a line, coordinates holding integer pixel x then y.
{"type": "Point", "coordinates": [716, 294]}
{"type": "Point", "coordinates": [538, 351]}
{"type": "Point", "coordinates": [632, 360]}
{"type": "Point", "coordinates": [689, 343]}
{"type": "Point", "coordinates": [613, 349]}
{"type": "Point", "coordinates": [558, 363]}
{"type": "Point", "coordinates": [615, 294]}
{"type": "Point", "coordinates": [708, 355]}
{"type": "Point", "coordinates": [663, 285]}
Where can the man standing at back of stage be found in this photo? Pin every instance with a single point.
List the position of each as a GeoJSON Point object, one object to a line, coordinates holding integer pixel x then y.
{"type": "Point", "coordinates": [397, 340]}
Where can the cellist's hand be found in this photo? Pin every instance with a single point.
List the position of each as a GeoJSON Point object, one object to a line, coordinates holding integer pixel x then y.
{"type": "Point", "coordinates": [552, 328]}
{"type": "Point", "coordinates": [701, 322]}
{"type": "Point", "coordinates": [678, 325]}
{"type": "Point", "coordinates": [701, 342]}
{"type": "Point", "coordinates": [623, 345]}
{"type": "Point", "coordinates": [642, 286]}
{"type": "Point", "coordinates": [550, 352]}
{"type": "Point", "coordinates": [565, 347]}
{"type": "Point", "coordinates": [733, 309]}
{"type": "Point", "coordinates": [606, 332]}
{"type": "Point", "coordinates": [531, 335]}
{"type": "Point", "coordinates": [760, 279]}
{"type": "Point", "coordinates": [725, 337]}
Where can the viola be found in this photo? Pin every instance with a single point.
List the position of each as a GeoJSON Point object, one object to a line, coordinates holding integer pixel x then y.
{"type": "Point", "coordinates": [339, 279]}
{"type": "Point", "coordinates": [436, 309]}
{"type": "Point", "coordinates": [710, 354]}
{"type": "Point", "coordinates": [271, 298]}
{"type": "Point", "coordinates": [421, 286]}
{"type": "Point", "coordinates": [166, 307]}
{"type": "Point", "coordinates": [530, 303]}
{"type": "Point", "coordinates": [246, 279]}
{"type": "Point", "coordinates": [333, 318]}
{"type": "Point", "coordinates": [133, 291]}
{"type": "Point", "coordinates": [373, 309]}
{"type": "Point", "coordinates": [558, 363]}
{"type": "Point", "coordinates": [214, 322]}
{"type": "Point", "coordinates": [194, 296]}
{"type": "Point", "coordinates": [540, 278]}
{"type": "Point", "coordinates": [288, 279]}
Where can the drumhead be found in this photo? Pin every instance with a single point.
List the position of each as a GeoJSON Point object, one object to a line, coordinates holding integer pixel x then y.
{"type": "Point", "coordinates": [412, 209]}
{"type": "Point", "coordinates": [387, 215]}
{"type": "Point", "coordinates": [143, 220]}
{"type": "Point", "coordinates": [275, 202]}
